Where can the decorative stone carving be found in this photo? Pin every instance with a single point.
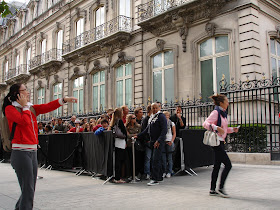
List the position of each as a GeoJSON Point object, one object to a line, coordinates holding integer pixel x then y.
{"type": "Point", "coordinates": [160, 44]}
{"type": "Point", "coordinates": [56, 77]}
{"type": "Point", "coordinates": [77, 9]}
{"type": "Point", "coordinates": [123, 59]}
{"type": "Point", "coordinates": [40, 83]}
{"type": "Point", "coordinates": [97, 67]}
{"type": "Point", "coordinates": [278, 31]}
{"type": "Point", "coordinates": [27, 44]}
{"type": "Point", "coordinates": [42, 35]}
{"type": "Point", "coordinates": [76, 73]}
{"type": "Point", "coordinates": [58, 25]}
{"type": "Point", "coordinates": [210, 28]}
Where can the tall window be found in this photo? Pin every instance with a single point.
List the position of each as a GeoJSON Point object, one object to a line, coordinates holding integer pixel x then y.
{"type": "Point", "coordinates": [41, 96]}
{"type": "Point", "coordinates": [7, 69]}
{"type": "Point", "coordinates": [163, 77]}
{"type": "Point", "coordinates": [124, 85]}
{"type": "Point", "coordinates": [57, 93]}
{"type": "Point", "coordinates": [78, 92]}
{"type": "Point", "coordinates": [59, 44]}
{"type": "Point", "coordinates": [275, 58]}
{"type": "Point", "coordinates": [124, 7]}
{"type": "Point", "coordinates": [17, 64]}
{"type": "Point", "coordinates": [99, 16]}
{"type": "Point", "coordinates": [214, 63]}
{"type": "Point", "coordinates": [98, 91]}
{"type": "Point", "coordinates": [28, 57]}
{"type": "Point", "coordinates": [79, 32]}
{"type": "Point", "coordinates": [43, 50]}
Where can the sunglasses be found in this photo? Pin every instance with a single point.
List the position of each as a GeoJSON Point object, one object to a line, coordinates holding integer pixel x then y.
{"type": "Point", "coordinates": [133, 118]}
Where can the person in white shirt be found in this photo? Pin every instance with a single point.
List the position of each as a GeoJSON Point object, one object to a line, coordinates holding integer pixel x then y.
{"type": "Point", "coordinates": [167, 162]}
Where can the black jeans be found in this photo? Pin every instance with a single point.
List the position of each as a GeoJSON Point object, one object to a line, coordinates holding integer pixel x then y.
{"type": "Point", "coordinates": [25, 165]}
{"type": "Point", "coordinates": [157, 162]}
{"type": "Point", "coordinates": [220, 157]}
{"type": "Point", "coordinates": [119, 160]}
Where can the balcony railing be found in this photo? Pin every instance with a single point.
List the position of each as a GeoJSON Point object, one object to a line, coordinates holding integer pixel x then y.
{"type": "Point", "coordinates": [51, 55]}
{"type": "Point", "coordinates": [157, 7]}
{"type": "Point", "coordinates": [21, 69]}
{"type": "Point", "coordinates": [118, 24]}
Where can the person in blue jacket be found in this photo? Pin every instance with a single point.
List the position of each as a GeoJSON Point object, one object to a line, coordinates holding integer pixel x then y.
{"type": "Point", "coordinates": [104, 124]}
{"type": "Point", "coordinates": [157, 129]}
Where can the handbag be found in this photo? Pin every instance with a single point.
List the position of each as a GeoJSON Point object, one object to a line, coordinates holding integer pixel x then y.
{"type": "Point", "coordinates": [118, 133]}
{"type": "Point", "coordinates": [211, 139]}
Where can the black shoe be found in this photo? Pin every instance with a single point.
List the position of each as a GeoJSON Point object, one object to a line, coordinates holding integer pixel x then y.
{"type": "Point", "coordinates": [222, 193]}
{"type": "Point", "coordinates": [213, 193]}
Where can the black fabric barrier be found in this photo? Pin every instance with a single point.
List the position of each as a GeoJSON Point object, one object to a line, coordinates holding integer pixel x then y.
{"type": "Point", "coordinates": [196, 154]}
{"type": "Point", "coordinates": [64, 150]}
{"type": "Point", "coordinates": [98, 153]}
{"type": "Point", "coordinates": [43, 142]}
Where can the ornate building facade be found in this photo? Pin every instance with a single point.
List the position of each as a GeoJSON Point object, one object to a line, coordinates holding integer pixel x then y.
{"type": "Point", "coordinates": [108, 53]}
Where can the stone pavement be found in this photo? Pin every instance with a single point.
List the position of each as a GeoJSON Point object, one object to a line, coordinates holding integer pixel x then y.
{"type": "Point", "coordinates": [250, 187]}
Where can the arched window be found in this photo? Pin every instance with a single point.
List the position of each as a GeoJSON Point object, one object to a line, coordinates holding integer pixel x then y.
{"type": "Point", "coordinates": [57, 93]}
{"type": "Point", "coordinates": [124, 85]}
{"type": "Point", "coordinates": [214, 63]}
{"type": "Point", "coordinates": [275, 58]}
{"type": "Point", "coordinates": [98, 90]}
{"type": "Point", "coordinates": [163, 76]}
{"type": "Point", "coordinates": [59, 43]}
{"type": "Point", "coordinates": [78, 92]}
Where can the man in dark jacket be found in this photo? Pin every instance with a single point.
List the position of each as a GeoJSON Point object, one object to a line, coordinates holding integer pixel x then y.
{"type": "Point", "coordinates": [157, 129]}
{"type": "Point", "coordinates": [179, 120]}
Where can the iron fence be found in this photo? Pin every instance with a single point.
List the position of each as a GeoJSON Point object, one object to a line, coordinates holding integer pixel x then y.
{"type": "Point", "coordinates": [21, 69]}
{"type": "Point", "coordinates": [157, 7]}
{"type": "Point", "coordinates": [51, 55]}
{"type": "Point", "coordinates": [118, 24]}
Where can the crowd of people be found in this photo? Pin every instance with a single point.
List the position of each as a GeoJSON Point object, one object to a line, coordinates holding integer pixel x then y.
{"type": "Point", "coordinates": [127, 127]}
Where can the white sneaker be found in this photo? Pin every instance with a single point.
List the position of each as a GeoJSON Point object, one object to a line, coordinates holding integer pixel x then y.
{"type": "Point", "coordinates": [163, 175]}
{"type": "Point", "coordinates": [168, 175]}
{"type": "Point", "coordinates": [152, 183]}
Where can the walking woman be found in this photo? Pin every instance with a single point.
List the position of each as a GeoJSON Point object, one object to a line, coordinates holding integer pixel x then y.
{"type": "Point", "coordinates": [120, 143]}
{"type": "Point", "coordinates": [25, 141]}
{"type": "Point", "coordinates": [217, 121]}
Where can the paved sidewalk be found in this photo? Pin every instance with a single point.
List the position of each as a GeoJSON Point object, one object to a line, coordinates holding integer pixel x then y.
{"type": "Point", "coordinates": [250, 187]}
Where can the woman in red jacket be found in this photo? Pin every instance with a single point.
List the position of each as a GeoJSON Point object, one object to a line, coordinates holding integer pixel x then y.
{"type": "Point", "coordinates": [25, 141]}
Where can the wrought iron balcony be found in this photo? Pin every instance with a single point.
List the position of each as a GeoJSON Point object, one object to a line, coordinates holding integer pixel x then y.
{"type": "Point", "coordinates": [51, 57]}
{"type": "Point", "coordinates": [156, 7]}
{"type": "Point", "coordinates": [118, 24]}
{"type": "Point", "coordinates": [17, 73]}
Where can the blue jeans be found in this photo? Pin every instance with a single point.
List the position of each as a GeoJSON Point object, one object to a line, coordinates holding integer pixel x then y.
{"type": "Point", "coordinates": [167, 154]}
{"type": "Point", "coordinates": [157, 162]}
{"type": "Point", "coordinates": [147, 164]}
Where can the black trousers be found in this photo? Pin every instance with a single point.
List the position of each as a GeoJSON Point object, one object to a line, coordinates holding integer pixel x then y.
{"type": "Point", "coordinates": [26, 166]}
{"type": "Point", "coordinates": [119, 160]}
{"type": "Point", "coordinates": [220, 157]}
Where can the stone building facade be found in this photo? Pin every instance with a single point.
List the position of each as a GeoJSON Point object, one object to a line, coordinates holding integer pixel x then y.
{"type": "Point", "coordinates": [109, 53]}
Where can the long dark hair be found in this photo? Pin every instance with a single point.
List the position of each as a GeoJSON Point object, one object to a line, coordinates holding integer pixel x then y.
{"type": "Point", "coordinates": [12, 96]}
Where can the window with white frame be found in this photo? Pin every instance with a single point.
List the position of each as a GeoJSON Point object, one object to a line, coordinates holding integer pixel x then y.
{"type": "Point", "coordinates": [124, 8]}
{"type": "Point", "coordinates": [163, 76]}
{"type": "Point", "coordinates": [98, 91]}
{"type": "Point", "coordinates": [214, 63]}
{"type": "Point", "coordinates": [79, 32]}
{"type": "Point", "coordinates": [275, 58]}
{"type": "Point", "coordinates": [43, 50]}
{"type": "Point", "coordinates": [28, 58]}
{"type": "Point", "coordinates": [59, 44]}
{"type": "Point", "coordinates": [17, 64]}
{"type": "Point", "coordinates": [57, 93]}
{"type": "Point", "coordinates": [6, 69]}
{"type": "Point", "coordinates": [99, 16]}
{"type": "Point", "coordinates": [124, 85]}
{"type": "Point", "coordinates": [78, 92]}
{"type": "Point", "coordinates": [41, 96]}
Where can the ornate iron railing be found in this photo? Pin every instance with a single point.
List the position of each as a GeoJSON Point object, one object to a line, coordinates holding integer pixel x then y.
{"type": "Point", "coordinates": [51, 55]}
{"type": "Point", "coordinates": [118, 24]}
{"type": "Point", "coordinates": [157, 7]}
{"type": "Point", "coordinates": [21, 69]}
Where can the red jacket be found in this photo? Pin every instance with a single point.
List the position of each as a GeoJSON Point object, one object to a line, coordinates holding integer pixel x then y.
{"type": "Point", "coordinates": [24, 133]}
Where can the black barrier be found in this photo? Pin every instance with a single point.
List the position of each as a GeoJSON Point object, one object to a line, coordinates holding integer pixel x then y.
{"type": "Point", "coordinates": [196, 154]}
{"type": "Point", "coordinates": [63, 150]}
{"type": "Point", "coordinates": [98, 153]}
{"type": "Point", "coordinates": [43, 151]}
